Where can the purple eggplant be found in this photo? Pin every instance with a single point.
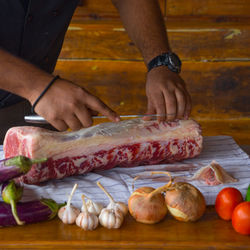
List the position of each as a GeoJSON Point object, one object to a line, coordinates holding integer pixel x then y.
{"type": "Point", "coordinates": [16, 166]}
{"type": "Point", "coordinates": [11, 194]}
{"type": "Point", "coordinates": [29, 212]}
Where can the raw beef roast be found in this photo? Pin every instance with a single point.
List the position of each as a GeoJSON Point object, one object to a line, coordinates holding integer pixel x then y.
{"type": "Point", "coordinates": [126, 144]}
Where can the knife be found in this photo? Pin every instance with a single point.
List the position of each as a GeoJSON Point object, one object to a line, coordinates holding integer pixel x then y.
{"type": "Point", "coordinates": [41, 120]}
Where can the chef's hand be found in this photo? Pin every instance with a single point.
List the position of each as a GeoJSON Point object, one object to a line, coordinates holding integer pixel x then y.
{"type": "Point", "coordinates": [66, 105]}
{"type": "Point", "coordinates": [167, 95]}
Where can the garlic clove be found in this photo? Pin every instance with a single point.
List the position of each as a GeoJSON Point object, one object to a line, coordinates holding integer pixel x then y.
{"type": "Point", "coordinates": [120, 206]}
{"type": "Point", "coordinates": [87, 221]}
{"type": "Point", "coordinates": [113, 204]}
{"type": "Point", "coordinates": [93, 207]}
{"type": "Point", "coordinates": [111, 218]}
{"type": "Point", "coordinates": [68, 215]}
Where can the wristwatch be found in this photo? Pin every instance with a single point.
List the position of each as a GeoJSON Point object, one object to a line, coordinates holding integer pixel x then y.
{"type": "Point", "coordinates": [169, 59]}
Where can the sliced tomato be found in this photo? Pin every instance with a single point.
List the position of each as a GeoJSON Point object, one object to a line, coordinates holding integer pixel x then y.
{"type": "Point", "coordinates": [241, 218]}
{"type": "Point", "coordinates": [226, 200]}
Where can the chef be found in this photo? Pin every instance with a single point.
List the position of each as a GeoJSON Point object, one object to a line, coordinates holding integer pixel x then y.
{"type": "Point", "coordinates": [31, 38]}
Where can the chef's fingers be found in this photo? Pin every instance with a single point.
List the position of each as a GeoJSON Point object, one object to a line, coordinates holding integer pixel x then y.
{"type": "Point", "coordinates": [84, 116]}
{"type": "Point", "coordinates": [160, 107]}
{"type": "Point", "coordinates": [96, 104]}
{"type": "Point", "coordinates": [181, 103]}
{"type": "Point", "coordinates": [150, 111]}
{"type": "Point", "coordinates": [59, 125]}
{"type": "Point", "coordinates": [171, 103]}
{"type": "Point", "coordinates": [93, 112]}
{"type": "Point", "coordinates": [73, 122]}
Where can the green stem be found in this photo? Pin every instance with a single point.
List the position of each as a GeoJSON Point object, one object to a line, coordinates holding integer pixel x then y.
{"type": "Point", "coordinates": [24, 163]}
{"type": "Point", "coordinates": [41, 160]}
{"type": "Point", "coordinates": [52, 205]}
{"type": "Point", "coordinates": [14, 213]}
{"type": "Point", "coordinates": [248, 194]}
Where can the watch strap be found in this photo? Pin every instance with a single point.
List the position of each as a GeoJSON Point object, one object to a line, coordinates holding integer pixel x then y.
{"type": "Point", "coordinates": [158, 61]}
{"type": "Point", "coordinates": [164, 60]}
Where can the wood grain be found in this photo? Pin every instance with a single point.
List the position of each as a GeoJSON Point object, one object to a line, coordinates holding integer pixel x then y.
{"type": "Point", "coordinates": [101, 9]}
{"type": "Point", "coordinates": [92, 9]}
{"type": "Point", "coordinates": [238, 128]}
{"type": "Point", "coordinates": [218, 89]}
{"type": "Point", "coordinates": [211, 41]}
{"type": "Point", "coordinates": [208, 8]}
{"type": "Point", "coordinates": [208, 232]}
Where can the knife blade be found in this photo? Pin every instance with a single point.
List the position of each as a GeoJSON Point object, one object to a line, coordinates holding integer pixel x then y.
{"type": "Point", "coordinates": [40, 120]}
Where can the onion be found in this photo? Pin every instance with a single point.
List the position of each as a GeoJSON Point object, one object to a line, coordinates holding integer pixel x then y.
{"type": "Point", "coordinates": [146, 208]}
{"type": "Point", "coordinates": [185, 202]}
{"type": "Point", "coordinates": [147, 205]}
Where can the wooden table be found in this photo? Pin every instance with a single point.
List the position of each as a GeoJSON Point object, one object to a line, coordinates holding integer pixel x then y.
{"type": "Point", "coordinates": [209, 232]}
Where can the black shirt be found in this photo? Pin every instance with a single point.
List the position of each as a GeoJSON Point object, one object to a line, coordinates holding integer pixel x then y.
{"type": "Point", "coordinates": [34, 30]}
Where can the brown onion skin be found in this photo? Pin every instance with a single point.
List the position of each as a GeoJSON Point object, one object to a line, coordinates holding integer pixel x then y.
{"type": "Point", "coordinates": [145, 210]}
{"type": "Point", "coordinates": [186, 198]}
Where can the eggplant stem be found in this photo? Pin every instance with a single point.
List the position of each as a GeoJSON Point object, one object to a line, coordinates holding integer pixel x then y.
{"type": "Point", "coordinates": [84, 204]}
{"type": "Point", "coordinates": [14, 213]}
{"type": "Point", "coordinates": [71, 195]}
{"type": "Point", "coordinates": [105, 191]}
{"type": "Point", "coordinates": [35, 161]}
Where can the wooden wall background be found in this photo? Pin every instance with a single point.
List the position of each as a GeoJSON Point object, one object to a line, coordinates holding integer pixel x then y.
{"type": "Point", "coordinates": [212, 37]}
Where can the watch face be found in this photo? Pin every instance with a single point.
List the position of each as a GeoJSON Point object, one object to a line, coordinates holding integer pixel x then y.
{"type": "Point", "coordinates": [168, 59]}
{"type": "Point", "coordinates": [175, 61]}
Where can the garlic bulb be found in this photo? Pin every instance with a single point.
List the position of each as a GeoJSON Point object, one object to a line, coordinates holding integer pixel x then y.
{"type": "Point", "coordinates": [111, 218]}
{"type": "Point", "coordinates": [118, 206]}
{"type": "Point", "coordinates": [69, 213]}
{"type": "Point", "coordinates": [114, 205]}
{"type": "Point", "coordinates": [86, 220]}
{"type": "Point", "coordinates": [93, 207]}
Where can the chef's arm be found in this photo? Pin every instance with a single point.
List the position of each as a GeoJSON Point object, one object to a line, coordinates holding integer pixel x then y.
{"type": "Point", "coordinates": [64, 105]}
{"type": "Point", "coordinates": [20, 77]}
{"type": "Point", "coordinates": [144, 24]}
{"type": "Point", "coordinates": [166, 91]}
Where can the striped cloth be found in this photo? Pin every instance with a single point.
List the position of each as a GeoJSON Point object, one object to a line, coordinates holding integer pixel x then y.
{"type": "Point", "coordinates": [118, 181]}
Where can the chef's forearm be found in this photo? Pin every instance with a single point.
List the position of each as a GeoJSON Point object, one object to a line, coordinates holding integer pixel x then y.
{"type": "Point", "coordinates": [20, 77]}
{"type": "Point", "coordinates": [145, 25]}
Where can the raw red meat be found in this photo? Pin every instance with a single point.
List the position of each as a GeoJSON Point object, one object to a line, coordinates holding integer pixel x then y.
{"type": "Point", "coordinates": [213, 174]}
{"type": "Point", "coordinates": [128, 143]}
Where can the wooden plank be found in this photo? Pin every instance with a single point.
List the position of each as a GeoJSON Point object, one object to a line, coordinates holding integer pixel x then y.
{"type": "Point", "coordinates": [96, 9]}
{"type": "Point", "coordinates": [208, 7]}
{"type": "Point", "coordinates": [190, 39]}
{"type": "Point", "coordinates": [210, 232]}
{"type": "Point", "coordinates": [219, 90]}
{"type": "Point", "coordinates": [238, 128]}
